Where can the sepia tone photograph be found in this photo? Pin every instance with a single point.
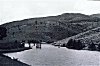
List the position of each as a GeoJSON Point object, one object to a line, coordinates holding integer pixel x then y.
{"type": "Point", "coordinates": [49, 32]}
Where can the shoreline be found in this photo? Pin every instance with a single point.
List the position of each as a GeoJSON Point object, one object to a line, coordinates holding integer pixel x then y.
{"type": "Point", "coordinates": [7, 61]}
{"type": "Point", "coordinates": [14, 50]}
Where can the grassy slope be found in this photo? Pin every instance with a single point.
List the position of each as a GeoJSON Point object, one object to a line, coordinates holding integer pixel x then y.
{"type": "Point", "coordinates": [87, 37]}
{"type": "Point", "coordinates": [51, 28]}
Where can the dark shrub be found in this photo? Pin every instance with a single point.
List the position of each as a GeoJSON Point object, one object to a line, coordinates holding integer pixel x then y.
{"type": "Point", "coordinates": [48, 42]}
{"type": "Point", "coordinates": [70, 44]}
{"type": "Point", "coordinates": [98, 47]}
{"type": "Point", "coordinates": [75, 44]}
{"type": "Point", "coordinates": [33, 41]}
{"type": "Point", "coordinates": [79, 45]}
{"type": "Point", "coordinates": [63, 45]}
{"type": "Point", "coordinates": [3, 32]}
{"type": "Point", "coordinates": [92, 47]}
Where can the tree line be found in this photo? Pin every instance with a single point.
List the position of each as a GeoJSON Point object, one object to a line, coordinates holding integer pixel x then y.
{"type": "Point", "coordinates": [78, 45]}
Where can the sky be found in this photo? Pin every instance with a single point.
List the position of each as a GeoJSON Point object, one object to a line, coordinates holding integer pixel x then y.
{"type": "Point", "coordinates": [12, 10]}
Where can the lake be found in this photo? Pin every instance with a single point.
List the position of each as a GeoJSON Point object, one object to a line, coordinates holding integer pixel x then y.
{"type": "Point", "coordinates": [50, 55]}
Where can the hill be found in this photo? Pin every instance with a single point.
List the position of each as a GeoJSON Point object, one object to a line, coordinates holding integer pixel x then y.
{"type": "Point", "coordinates": [87, 37]}
{"type": "Point", "coordinates": [52, 28]}
{"type": "Point", "coordinates": [95, 15]}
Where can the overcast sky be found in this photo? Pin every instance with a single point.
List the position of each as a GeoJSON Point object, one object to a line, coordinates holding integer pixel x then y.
{"type": "Point", "coordinates": [12, 10]}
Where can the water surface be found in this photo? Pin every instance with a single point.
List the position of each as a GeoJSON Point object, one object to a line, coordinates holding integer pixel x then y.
{"type": "Point", "coordinates": [49, 55]}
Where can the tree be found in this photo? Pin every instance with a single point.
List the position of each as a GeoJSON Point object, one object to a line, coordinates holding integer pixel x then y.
{"type": "Point", "coordinates": [70, 44]}
{"type": "Point", "coordinates": [75, 44]}
{"type": "Point", "coordinates": [98, 47]}
{"type": "Point", "coordinates": [78, 45]}
{"type": "Point", "coordinates": [3, 32]}
{"type": "Point", "coordinates": [92, 47]}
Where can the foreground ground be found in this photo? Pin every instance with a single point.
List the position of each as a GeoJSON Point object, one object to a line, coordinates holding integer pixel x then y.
{"type": "Point", "coordinates": [7, 61]}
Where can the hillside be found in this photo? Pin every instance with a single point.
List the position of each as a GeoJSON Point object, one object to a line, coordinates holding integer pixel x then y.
{"type": "Point", "coordinates": [95, 15]}
{"type": "Point", "coordinates": [90, 36]}
{"type": "Point", "coordinates": [87, 37]}
{"type": "Point", "coordinates": [52, 28]}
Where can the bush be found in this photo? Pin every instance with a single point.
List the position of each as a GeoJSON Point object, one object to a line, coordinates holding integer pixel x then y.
{"type": "Point", "coordinates": [63, 45]}
{"type": "Point", "coordinates": [92, 47]}
{"type": "Point", "coordinates": [75, 44]}
{"type": "Point", "coordinates": [70, 44]}
{"type": "Point", "coordinates": [48, 42]}
{"type": "Point", "coordinates": [98, 47]}
{"type": "Point", "coordinates": [79, 45]}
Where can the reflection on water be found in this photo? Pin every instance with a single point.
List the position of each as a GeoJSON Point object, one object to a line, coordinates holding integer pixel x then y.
{"type": "Point", "coordinates": [49, 55]}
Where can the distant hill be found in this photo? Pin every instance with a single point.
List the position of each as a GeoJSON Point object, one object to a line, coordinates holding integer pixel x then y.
{"type": "Point", "coordinates": [95, 15]}
{"type": "Point", "coordinates": [52, 28]}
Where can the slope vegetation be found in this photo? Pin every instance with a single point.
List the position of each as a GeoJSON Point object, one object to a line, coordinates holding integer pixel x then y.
{"type": "Point", "coordinates": [52, 28]}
